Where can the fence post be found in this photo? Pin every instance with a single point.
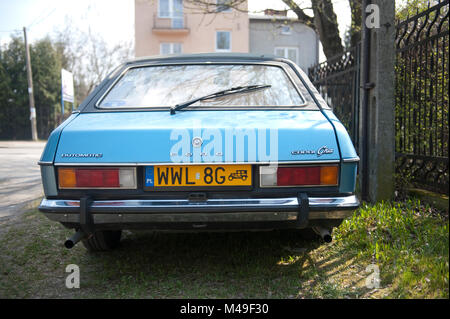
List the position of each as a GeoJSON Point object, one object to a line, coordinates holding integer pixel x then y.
{"type": "Point", "coordinates": [378, 102]}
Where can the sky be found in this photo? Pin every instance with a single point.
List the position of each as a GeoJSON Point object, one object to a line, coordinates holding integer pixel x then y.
{"type": "Point", "coordinates": [113, 19]}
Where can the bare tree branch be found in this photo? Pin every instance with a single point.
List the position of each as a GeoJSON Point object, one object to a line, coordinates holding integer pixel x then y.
{"type": "Point", "coordinates": [210, 6]}
{"type": "Point", "coordinates": [89, 57]}
{"type": "Point", "coordinates": [302, 16]}
{"type": "Point", "coordinates": [324, 20]}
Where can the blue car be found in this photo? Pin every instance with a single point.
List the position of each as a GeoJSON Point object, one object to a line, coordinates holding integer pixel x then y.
{"type": "Point", "coordinates": [199, 142]}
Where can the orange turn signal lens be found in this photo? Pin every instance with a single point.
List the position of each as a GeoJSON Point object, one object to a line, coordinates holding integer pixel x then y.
{"type": "Point", "coordinates": [328, 175]}
{"type": "Point", "coordinates": [67, 178]}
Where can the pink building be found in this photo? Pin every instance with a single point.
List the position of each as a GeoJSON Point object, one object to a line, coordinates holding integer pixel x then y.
{"type": "Point", "coordinates": [177, 26]}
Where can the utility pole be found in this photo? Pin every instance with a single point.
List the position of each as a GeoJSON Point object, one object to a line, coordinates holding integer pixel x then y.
{"type": "Point", "coordinates": [378, 112]}
{"type": "Point", "coordinates": [30, 89]}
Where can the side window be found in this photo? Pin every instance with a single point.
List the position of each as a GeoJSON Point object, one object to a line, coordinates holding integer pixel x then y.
{"type": "Point", "coordinates": [164, 48]}
{"type": "Point", "coordinates": [286, 30]}
{"type": "Point", "coordinates": [170, 8]}
{"type": "Point", "coordinates": [176, 48]}
{"type": "Point", "coordinates": [290, 53]}
{"type": "Point", "coordinates": [164, 9]}
{"type": "Point", "coordinates": [279, 52]}
{"type": "Point", "coordinates": [223, 41]}
{"type": "Point", "coordinates": [170, 48]}
{"type": "Point", "coordinates": [223, 6]}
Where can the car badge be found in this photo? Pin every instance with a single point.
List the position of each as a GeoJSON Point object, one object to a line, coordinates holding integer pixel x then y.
{"type": "Point", "coordinates": [82, 155]}
{"type": "Point", "coordinates": [197, 142]}
{"type": "Point", "coordinates": [324, 150]}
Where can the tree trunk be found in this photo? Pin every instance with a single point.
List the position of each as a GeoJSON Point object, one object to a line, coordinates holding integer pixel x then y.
{"type": "Point", "coordinates": [355, 30]}
{"type": "Point", "coordinates": [326, 25]}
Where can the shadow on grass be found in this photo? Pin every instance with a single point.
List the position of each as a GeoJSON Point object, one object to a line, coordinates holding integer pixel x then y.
{"type": "Point", "coordinates": [237, 264]}
{"type": "Point", "coordinates": [268, 264]}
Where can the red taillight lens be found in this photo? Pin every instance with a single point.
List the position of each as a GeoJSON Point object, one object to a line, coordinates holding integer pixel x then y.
{"type": "Point", "coordinates": [96, 178]}
{"type": "Point", "coordinates": [287, 176]}
{"type": "Point", "coordinates": [272, 176]}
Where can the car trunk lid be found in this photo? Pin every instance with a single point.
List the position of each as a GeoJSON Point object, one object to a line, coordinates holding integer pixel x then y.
{"type": "Point", "coordinates": [197, 137]}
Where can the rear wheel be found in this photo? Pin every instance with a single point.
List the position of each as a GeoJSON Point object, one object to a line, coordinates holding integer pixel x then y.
{"type": "Point", "coordinates": [103, 240]}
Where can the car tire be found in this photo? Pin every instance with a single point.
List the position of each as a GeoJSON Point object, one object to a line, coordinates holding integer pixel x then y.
{"type": "Point", "coordinates": [103, 240]}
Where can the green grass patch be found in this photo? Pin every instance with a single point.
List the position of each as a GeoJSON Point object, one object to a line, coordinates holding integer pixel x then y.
{"type": "Point", "coordinates": [408, 241]}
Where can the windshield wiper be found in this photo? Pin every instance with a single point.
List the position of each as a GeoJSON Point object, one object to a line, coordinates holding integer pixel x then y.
{"type": "Point", "coordinates": [235, 90]}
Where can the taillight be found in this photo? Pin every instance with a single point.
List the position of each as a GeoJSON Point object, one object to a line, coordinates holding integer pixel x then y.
{"type": "Point", "coordinates": [273, 176]}
{"type": "Point", "coordinates": [123, 177]}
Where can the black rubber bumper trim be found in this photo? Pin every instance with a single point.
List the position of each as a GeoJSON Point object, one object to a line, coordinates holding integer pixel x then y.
{"type": "Point", "coordinates": [86, 220]}
{"type": "Point", "coordinates": [303, 210]}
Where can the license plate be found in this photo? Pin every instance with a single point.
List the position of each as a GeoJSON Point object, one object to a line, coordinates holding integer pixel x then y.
{"type": "Point", "coordinates": [198, 175]}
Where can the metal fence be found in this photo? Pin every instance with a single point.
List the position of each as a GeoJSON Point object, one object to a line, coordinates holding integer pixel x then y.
{"type": "Point", "coordinates": [421, 97]}
{"type": "Point", "coordinates": [421, 103]}
{"type": "Point", "coordinates": [337, 80]}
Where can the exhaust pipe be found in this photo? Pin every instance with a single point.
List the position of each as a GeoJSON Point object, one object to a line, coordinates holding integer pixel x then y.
{"type": "Point", "coordinates": [324, 233]}
{"type": "Point", "coordinates": [72, 241]}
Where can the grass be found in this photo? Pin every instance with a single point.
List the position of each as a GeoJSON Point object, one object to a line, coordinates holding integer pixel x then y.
{"type": "Point", "coordinates": [408, 241]}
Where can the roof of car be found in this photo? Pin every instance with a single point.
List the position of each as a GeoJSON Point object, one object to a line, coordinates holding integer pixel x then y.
{"type": "Point", "coordinates": [206, 57]}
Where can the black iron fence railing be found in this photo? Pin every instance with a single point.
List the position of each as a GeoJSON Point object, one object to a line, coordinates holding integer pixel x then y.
{"type": "Point", "coordinates": [170, 21]}
{"type": "Point", "coordinates": [337, 80]}
{"type": "Point", "coordinates": [421, 102]}
{"type": "Point", "coordinates": [421, 96]}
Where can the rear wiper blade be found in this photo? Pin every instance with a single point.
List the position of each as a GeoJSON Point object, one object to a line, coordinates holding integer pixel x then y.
{"type": "Point", "coordinates": [235, 90]}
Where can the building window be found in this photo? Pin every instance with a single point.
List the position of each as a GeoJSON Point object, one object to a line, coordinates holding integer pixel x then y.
{"type": "Point", "coordinates": [223, 41]}
{"type": "Point", "coordinates": [285, 29]}
{"type": "Point", "coordinates": [170, 8]}
{"type": "Point", "coordinates": [223, 6]}
{"type": "Point", "coordinates": [170, 48]}
{"type": "Point", "coordinates": [287, 53]}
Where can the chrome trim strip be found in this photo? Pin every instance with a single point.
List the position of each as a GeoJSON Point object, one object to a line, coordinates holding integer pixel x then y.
{"type": "Point", "coordinates": [290, 203]}
{"type": "Point", "coordinates": [140, 65]}
{"type": "Point", "coordinates": [203, 163]}
{"type": "Point", "coordinates": [333, 202]}
{"type": "Point", "coordinates": [44, 163]}
{"type": "Point", "coordinates": [178, 203]}
{"type": "Point", "coordinates": [351, 160]}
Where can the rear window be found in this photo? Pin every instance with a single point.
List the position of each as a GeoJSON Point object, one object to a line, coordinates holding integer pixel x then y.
{"type": "Point", "coordinates": [166, 86]}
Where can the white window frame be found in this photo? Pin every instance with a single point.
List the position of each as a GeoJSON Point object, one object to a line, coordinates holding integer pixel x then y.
{"type": "Point", "coordinates": [221, 4]}
{"type": "Point", "coordinates": [171, 9]}
{"type": "Point", "coordinates": [215, 42]}
{"type": "Point", "coordinates": [286, 52]}
{"type": "Point", "coordinates": [171, 47]}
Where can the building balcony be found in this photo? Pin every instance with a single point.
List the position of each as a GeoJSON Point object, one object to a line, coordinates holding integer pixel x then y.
{"type": "Point", "coordinates": [170, 25]}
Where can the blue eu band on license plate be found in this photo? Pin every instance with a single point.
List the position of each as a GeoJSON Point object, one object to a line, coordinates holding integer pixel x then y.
{"type": "Point", "coordinates": [149, 176]}
{"type": "Point", "coordinates": [198, 175]}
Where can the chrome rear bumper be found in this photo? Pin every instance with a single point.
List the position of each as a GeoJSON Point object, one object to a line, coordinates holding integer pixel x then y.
{"type": "Point", "coordinates": [211, 210]}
